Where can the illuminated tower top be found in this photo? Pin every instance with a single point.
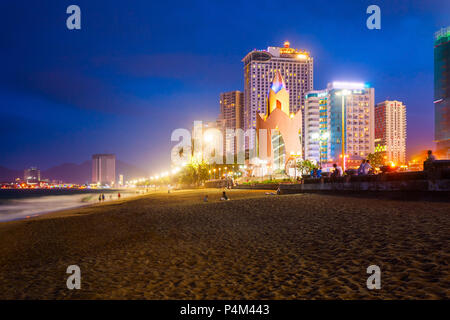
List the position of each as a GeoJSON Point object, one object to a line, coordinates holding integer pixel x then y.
{"type": "Point", "coordinates": [278, 82]}
{"type": "Point", "coordinates": [278, 95]}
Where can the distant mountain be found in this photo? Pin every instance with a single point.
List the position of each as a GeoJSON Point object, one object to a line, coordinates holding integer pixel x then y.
{"type": "Point", "coordinates": [8, 175]}
{"type": "Point", "coordinates": [129, 171]}
{"type": "Point", "coordinates": [69, 172]}
{"type": "Point", "coordinates": [74, 173]}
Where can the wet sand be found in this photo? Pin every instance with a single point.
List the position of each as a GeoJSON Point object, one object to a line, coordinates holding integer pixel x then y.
{"type": "Point", "coordinates": [256, 246]}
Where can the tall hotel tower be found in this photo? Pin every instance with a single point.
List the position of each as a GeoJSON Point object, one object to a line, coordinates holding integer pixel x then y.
{"type": "Point", "coordinates": [260, 66]}
{"type": "Point", "coordinates": [104, 169]}
{"type": "Point", "coordinates": [231, 118]}
{"type": "Point", "coordinates": [442, 91]}
{"type": "Point", "coordinates": [315, 104]}
{"type": "Point", "coordinates": [390, 131]}
{"type": "Point", "coordinates": [340, 124]}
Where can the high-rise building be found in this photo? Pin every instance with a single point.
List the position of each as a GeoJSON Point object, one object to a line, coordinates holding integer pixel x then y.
{"type": "Point", "coordinates": [260, 66]}
{"type": "Point", "coordinates": [346, 123]}
{"type": "Point", "coordinates": [104, 169]}
{"type": "Point", "coordinates": [442, 91]}
{"type": "Point", "coordinates": [32, 175]}
{"type": "Point", "coordinates": [312, 125]}
{"type": "Point", "coordinates": [231, 118]}
{"type": "Point", "coordinates": [390, 131]}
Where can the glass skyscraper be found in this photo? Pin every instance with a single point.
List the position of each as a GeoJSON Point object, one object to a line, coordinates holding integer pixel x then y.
{"type": "Point", "coordinates": [328, 133]}
{"type": "Point", "coordinates": [442, 90]}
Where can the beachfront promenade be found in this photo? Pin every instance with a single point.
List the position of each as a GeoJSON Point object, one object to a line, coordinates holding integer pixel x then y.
{"type": "Point", "coordinates": [434, 182]}
{"type": "Point", "coordinates": [255, 246]}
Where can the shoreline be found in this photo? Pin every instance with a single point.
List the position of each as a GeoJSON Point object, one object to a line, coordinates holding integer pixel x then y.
{"type": "Point", "coordinates": [256, 246]}
{"type": "Point", "coordinates": [80, 205]}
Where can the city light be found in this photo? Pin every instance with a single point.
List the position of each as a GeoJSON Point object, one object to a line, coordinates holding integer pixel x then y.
{"type": "Point", "coordinates": [348, 85]}
{"type": "Point", "coordinates": [175, 170]}
{"type": "Point", "coordinates": [208, 138]}
{"type": "Point", "coordinates": [344, 92]}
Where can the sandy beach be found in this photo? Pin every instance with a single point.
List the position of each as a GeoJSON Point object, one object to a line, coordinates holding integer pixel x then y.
{"type": "Point", "coordinates": [255, 246]}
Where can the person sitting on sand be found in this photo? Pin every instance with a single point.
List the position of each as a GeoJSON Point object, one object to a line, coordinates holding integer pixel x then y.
{"type": "Point", "coordinates": [224, 196]}
{"type": "Point", "coordinates": [118, 195]}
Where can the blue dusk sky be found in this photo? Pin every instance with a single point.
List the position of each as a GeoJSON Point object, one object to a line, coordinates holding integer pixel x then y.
{"type": "Point", "coordinates": [137, 70]}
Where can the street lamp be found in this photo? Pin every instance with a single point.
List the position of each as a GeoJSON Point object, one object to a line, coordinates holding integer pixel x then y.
{"type": "Point", "coordinates": [343, 93]}
{"type": "Point", "coordinates": [343, 161]}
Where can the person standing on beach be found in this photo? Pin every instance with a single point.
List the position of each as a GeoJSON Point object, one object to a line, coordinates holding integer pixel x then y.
{"type": "Point", "coordinates": [430, 156]}
{"type": "Point", "coordinates": [103, 197]}
{"type": "Point", "coordinates": [99, 198]}
{"type": "Point", "coordinates": [367, 167]}
{"type": "Point", "coordinates": [118, 195]}
{"type": "Point", "coordinates": [361, 167]}
{"type": "Point", "coordinates": [319, 172]}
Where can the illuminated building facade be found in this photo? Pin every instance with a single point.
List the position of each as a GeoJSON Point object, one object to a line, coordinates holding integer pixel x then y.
{"type": "Point", "coordinates": [390, 131]}
{"type": "Point", "coordinates": [104, 169]}
{"type": "Point", "coordinates": [278, 130]}
{"type": "Point", "coordinates": [260, 66]}
{"type": "Point", "coordinates": [313, 125]}
{"type": "Point", "coordinates": [346, 123]}
{"type": "Point", "coordinates": [442, 91]}
{"type": "Point", "coordinates": [32, 175]}
{"type": "Point", "coordinates": [231, 118]}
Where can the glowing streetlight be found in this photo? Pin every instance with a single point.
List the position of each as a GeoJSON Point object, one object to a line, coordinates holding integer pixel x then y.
{"type": "Point", "coordinates": [208, 138]}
